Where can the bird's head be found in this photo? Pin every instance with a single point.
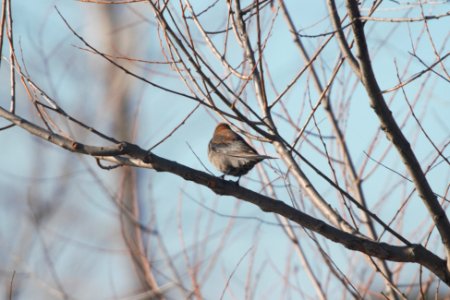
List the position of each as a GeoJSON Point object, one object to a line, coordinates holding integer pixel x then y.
{"type": "Point", "coordinates": [222, 127]}
{"type": "Point", "coordinates": [223, 131]}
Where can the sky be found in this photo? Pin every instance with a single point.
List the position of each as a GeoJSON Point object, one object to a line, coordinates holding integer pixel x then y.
{"type": "Point", "coordinates": [81, 229]}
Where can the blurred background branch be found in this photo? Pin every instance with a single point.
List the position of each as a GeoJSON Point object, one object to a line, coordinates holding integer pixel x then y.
{"type": "Point", "coordinates": [139, 85]}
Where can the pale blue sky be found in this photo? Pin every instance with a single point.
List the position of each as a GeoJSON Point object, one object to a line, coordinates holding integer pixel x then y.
{"type": "Point", "coordinates": [65, 73]}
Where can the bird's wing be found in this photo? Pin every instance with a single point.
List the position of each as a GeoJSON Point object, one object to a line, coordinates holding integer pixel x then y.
{"type": "Point", "coordinates": [237, 149]}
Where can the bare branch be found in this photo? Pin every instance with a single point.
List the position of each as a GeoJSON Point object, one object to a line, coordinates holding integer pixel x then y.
{"type": "Point", "coordinates": [393, 132]}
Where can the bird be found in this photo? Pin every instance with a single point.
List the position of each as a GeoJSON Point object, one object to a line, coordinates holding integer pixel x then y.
{"type": "Point", "coordinates": [229, 153]}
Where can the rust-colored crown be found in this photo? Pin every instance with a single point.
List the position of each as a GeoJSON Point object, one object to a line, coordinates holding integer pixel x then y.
{"type": "Point", "coordinates": [222, 127]}
{"type": "Point", "coordinates": [223, 131]}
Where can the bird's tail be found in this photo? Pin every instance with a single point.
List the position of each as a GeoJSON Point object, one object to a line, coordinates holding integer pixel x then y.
{"type": "Point", "coordinates": [251, 156]}
{"type": "Point", "coordinates": [266, 157]}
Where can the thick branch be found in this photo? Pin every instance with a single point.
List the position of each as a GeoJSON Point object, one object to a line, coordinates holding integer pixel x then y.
{"type": "Point", "coordinates": [392, 130]}
{"type": "Point", "coordinates": [61, 141]}
{"type": "Point", "coordinates": [133, 155]}
{"type": "Point", "coordinates": [413, 253]}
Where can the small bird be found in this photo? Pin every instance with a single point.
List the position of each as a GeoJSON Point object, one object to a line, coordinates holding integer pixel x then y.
{"type": "Point", "coordinates": [231, 154]}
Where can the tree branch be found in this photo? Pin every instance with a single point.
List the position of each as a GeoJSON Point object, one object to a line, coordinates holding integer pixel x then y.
{"type": "Point", "coordinates": [345, 49]}
{"type": "Point", "coordinates": [132, 155]}
{"type": "Point", "coordinates": [392, 130]}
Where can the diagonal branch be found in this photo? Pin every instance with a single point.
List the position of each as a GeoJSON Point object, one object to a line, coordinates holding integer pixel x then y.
{"type": "Point", "coordinates": [393, 132]}
{"type": "Point", "coordinates": [133, 155]}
